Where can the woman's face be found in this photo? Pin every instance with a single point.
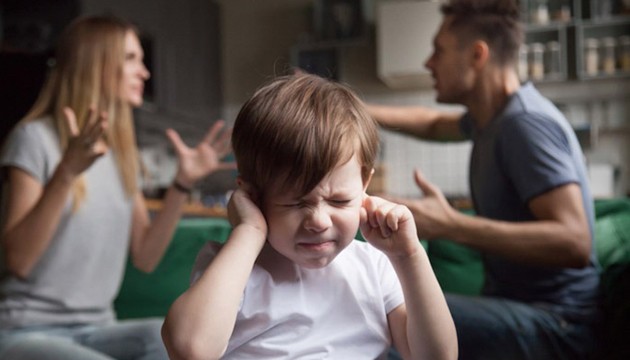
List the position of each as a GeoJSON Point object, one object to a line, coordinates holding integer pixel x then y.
{"type": "Point", "coordinates": [134, 72]}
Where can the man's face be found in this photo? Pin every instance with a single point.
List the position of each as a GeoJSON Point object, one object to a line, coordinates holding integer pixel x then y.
{"type": "Point", "coordinates": [450, 66]}
{"type": "Point", "coordinates": [311, 230]}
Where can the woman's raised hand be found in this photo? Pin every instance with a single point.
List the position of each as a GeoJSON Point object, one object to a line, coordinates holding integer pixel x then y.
{"type": "Point", "coordinates": [198, 162]}
{"type": "Point", "coordinates": [84, 145]}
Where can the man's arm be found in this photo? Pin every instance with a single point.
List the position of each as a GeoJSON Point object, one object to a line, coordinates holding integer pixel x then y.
{"type": "Point", "coordinates": [559, 237]}
{"type": "Point", "coordinates": [420, 122]}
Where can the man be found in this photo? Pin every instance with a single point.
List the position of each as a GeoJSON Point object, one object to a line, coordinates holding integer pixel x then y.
{"type": "Point", "coordinates": [534, 223]}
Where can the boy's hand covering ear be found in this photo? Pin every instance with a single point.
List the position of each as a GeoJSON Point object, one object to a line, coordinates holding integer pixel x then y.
{"type": "Point", "coordinates": [388, 226]}
{"type": "Point", "coordinates": [242, 208]}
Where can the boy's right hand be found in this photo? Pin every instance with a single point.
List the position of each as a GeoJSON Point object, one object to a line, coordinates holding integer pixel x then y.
{"type": "Point", "coordinates": [242, 209]}
{"type": "Point", "coordinates": [85, 145]}
{"type": "Point", "coordinates": [389, 227]}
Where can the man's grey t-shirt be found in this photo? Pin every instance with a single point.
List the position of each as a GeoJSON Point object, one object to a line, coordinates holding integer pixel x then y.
{"type": "Point", "coordinates": [79, 274]}
{"type": "Point", "coordinates": [527, 150]}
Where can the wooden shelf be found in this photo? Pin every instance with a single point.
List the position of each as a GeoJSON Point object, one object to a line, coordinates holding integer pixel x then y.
{"type": "Point", "coordinates": [190, 209]}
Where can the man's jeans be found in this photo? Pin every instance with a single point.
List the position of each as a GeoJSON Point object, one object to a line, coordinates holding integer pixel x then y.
{"type": "Point", "coordinates": [493, 328]}
{"type": "Point", "coordinates": [129, 339]}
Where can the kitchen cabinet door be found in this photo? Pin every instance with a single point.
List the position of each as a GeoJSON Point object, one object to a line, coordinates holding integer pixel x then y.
{"type": "Point", "coordinates": [404, 38]}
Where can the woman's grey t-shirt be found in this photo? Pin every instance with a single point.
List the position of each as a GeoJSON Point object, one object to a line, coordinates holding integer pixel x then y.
{"type": "Point", "coordinates": [79, 274]}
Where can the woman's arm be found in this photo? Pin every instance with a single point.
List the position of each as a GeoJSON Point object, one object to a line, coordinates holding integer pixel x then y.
{"type": "Point", "coordinates": [32, 211]}
{"type": "Point", "coordinates": [31, 216]}
{"type": "Point", "coordinates": [149, 239]}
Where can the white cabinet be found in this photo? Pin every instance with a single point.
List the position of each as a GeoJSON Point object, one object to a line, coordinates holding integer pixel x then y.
{"type": "Point", "coordinates": [404, 41]}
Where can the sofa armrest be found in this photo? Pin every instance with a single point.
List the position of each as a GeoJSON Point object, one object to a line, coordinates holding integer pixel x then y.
{"type": "Point", "coordinates": [458, 268]}
{"type": "Point", "coordinates": [151, 295]}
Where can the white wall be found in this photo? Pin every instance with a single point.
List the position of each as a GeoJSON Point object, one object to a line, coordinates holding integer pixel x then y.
{"type": "Point", "coordinates": [256, 38]}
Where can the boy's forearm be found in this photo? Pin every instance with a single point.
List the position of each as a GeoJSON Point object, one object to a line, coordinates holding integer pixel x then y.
{"type": "Point", "coordinates": [201, 320]}
{"type": "Point", "coordinates": [430, 328]}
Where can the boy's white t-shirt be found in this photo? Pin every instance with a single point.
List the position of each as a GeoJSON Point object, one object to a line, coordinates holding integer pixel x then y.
{"type": "Point", "coordinates": [336, 312]}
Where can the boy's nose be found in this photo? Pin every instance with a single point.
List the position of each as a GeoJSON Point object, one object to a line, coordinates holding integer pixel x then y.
{"type": "Point", "coordinates": [317, 220]}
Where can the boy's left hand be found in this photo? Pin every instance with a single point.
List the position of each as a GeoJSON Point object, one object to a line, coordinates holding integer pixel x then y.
{"type": "Point", "coordinates": [389, 227]}
{"type": "Point", "coordinates": [243, 209]}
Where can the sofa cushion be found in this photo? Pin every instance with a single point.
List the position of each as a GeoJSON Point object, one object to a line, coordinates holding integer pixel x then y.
{"type": "Point", "coordinates": [458, 268]}
{"type": "Point", "coordinates": [149, 295]}
{"type": "Point", "coordinates": [612, 242]}
{"type": "Point", "coordinates": [612, 231]}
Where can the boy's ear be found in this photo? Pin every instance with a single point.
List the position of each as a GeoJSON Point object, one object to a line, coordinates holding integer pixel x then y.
{"type": "Point", "coordinates": [367, 181]}
{"type": "Point", "coordinates": [244, 185]}
{"type": "Point", "coordinates": [248, 188]}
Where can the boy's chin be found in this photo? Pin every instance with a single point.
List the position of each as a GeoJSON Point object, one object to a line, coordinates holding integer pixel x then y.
{"type": "Point", "coordinates": [304, 260]}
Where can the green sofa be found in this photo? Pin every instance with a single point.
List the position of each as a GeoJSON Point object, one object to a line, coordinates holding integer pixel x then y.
{"type": "Point", "coordinates": [458, 269]}
{"type": "Point", "coordinates": [148, 295]}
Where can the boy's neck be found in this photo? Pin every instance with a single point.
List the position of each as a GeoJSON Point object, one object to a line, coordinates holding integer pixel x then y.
{"type": "Point", "coordinates": [279, 266]}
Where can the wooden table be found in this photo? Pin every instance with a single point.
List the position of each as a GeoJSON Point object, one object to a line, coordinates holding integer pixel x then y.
{"type": "Point", "coordinates": [190, 209]}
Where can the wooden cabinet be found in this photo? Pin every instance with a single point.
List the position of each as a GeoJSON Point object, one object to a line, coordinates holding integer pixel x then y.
{"type": "Point", "coordinates": [603, 48]}
{"type": "Point", "coordinates": [545, 54]}
{"type": "Point", "coordinates": [590, 36]}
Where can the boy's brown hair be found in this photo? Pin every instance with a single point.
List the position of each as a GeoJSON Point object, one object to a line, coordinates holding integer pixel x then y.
{"type": "Point", "coordinates": [298, 128]}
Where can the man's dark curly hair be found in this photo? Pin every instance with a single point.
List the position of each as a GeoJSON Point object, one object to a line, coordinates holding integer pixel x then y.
{"type": "Point", "coordinates": [496, 22]}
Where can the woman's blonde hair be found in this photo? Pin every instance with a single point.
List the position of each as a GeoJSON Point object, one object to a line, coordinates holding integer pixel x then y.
{"type": "Point", "coordinates": [299, 128]}
{"type": "Point", "coordinates": [87, 73]}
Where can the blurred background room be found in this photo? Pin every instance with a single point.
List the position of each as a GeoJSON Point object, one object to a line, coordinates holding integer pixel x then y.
{"type": "Point", "coordinates": [206, 57]}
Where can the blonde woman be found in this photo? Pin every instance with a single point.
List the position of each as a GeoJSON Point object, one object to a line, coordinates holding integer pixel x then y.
{"type": "Point", "coordinates": [72, 209]}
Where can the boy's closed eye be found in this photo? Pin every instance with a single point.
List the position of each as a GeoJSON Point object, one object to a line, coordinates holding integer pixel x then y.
{"type": "Point", "coordinates": [336, 202]}
{"type": "Point", "coordinates": [340, 202]}
{"type": "Point", "coordinates": [291, 205]}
